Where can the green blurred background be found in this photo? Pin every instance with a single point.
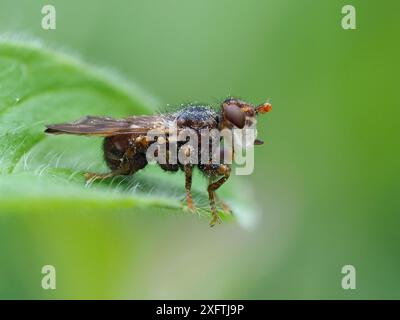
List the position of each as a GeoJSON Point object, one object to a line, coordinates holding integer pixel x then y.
{"type": "Point", "coordinates": [327, 177]}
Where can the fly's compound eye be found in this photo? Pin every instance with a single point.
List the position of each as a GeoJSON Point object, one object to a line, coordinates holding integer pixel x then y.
{"type": "Point", "coordinates": [234, 115]}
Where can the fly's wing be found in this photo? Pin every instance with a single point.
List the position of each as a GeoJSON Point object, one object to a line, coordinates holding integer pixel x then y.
{"type": "Point", "coordinates": [106, 126]}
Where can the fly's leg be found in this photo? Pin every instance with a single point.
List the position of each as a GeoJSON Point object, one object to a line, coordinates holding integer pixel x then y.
{"type": "Point", "coordinates": [123, 170]}
{"type": "Point", "coordinates": [225, 171]}
{"type": "Point", "coordinates": [188, 169]}
{"type": "Point", "coordinates": [127, 164]}
{"type": "Point", "coordinates": [226, 157]}
{"type": "Point", "coordinates": [91, 176]}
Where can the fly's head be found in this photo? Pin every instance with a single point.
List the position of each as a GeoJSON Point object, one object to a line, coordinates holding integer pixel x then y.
{"type": "Point", "coordinates": [238, 114]}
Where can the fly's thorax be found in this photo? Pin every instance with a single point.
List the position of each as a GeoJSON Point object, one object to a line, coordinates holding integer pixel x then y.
{"type": "Point", "coordinates": [196, 117]}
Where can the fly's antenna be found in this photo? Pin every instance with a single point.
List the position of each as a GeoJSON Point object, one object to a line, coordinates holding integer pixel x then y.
{"type": "Point", "coordinates": [264, 108]}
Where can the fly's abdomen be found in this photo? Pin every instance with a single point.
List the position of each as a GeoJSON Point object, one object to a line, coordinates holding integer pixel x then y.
{"type": "Point", "coordinates": [124, 154]}
{"type": "Point", "coordinates": [115, 148]}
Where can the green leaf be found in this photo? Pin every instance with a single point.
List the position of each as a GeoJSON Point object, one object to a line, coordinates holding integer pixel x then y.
{"type": "Point", "coordinates": [40, 172]}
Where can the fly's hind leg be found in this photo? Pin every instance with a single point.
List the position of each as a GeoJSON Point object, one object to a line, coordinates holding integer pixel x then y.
{"type": "Point", "coordinates": [121, 158]}
{"type": "Point", "coordinates": [123, 170]}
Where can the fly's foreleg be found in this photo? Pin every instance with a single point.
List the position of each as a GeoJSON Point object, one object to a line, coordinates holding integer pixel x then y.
{"type": "Point", "coordinates": [225, 171]}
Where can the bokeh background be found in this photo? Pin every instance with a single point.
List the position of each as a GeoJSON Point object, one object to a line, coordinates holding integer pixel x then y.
{"type": "Point", "coordinates": [327, 178]}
